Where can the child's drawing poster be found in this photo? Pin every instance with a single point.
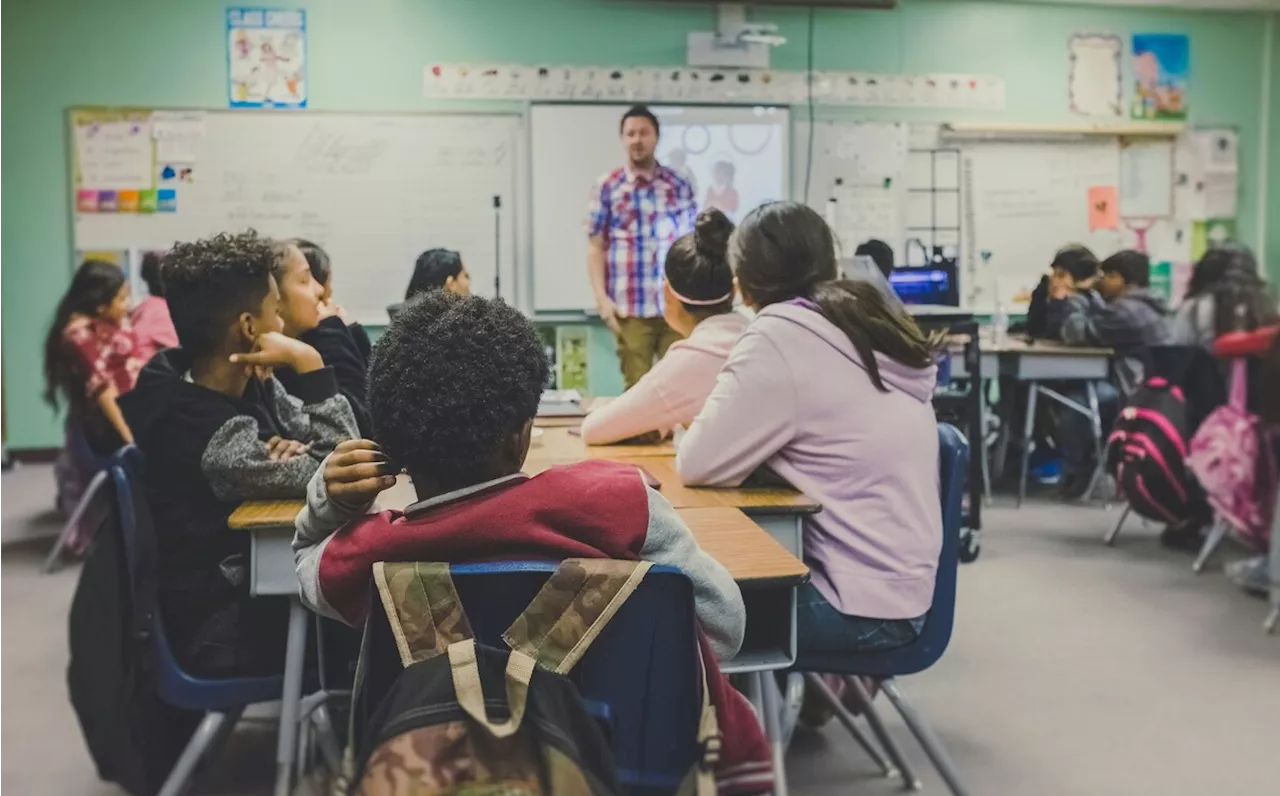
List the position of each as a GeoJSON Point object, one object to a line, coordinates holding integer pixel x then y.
{"type": "Point", "coordinates": [1161, 72]}
{"type": "Point", "coordinates": [267, 58]}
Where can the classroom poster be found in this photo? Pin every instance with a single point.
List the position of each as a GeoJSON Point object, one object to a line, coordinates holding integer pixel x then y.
{"type": "Point", "coordinates": [113, 153]}
{"type": "Point", "coordinates": [1104, 207]}
{"type": "Point", "coordinates": [266, 58]}
{"type": "Point", "coordinates": [1161, 71]}
{"type": "Point", "coordinates": [1206, 235]}
{"type": "Point", "coordinates": [1095, 81]}
{"type": "Point", "coordinates": [571, 357]}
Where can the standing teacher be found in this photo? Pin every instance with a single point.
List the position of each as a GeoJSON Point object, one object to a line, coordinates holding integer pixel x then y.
{"type": "Point", "coordinates": [636, 213]}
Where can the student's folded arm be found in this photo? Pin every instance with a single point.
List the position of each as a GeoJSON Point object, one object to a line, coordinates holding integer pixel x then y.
{"type": "Point", "coordinates": [239, 467]}
{"type": "Point", "coordinates": [318, 415]}
{"type": "Point", "coordinates": [716, 597]}
{"type": "Point", "coordinates": [320, 518]}
{"type": "Point", "coordinates": [749, 417]}
{"type": "Point", "coordinates": [1077, 321]}
{"type": "Point", "coordinates": [639, 410]}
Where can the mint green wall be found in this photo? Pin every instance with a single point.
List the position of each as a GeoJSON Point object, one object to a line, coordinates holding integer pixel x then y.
{"type": "Point", "coordinates": [1273, 161]}
{"type": "Point", "coordinates": [369, 56]}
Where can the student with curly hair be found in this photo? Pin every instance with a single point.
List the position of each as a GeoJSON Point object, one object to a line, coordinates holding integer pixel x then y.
{"type": "Point", "coordinates": [216, 430]}
{"type": "Point", "coordinates": [454, 386]}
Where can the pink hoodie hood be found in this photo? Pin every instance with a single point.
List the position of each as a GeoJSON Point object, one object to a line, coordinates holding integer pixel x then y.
{"type": "Point", "coordinates": [794, 395]}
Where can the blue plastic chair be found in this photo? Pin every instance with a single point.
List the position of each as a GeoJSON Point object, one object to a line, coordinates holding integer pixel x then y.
{"type": "Point", "coordinates": [639, 677]}
{"type": "Point", "coordinates": [98, 468]}
{"type": "Point", "coordinates": [953, 462]}
{"type": "Point", "coordinates": [222, 700]}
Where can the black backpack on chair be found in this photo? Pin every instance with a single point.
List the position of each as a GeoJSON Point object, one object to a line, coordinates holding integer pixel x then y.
{"type": "Point", "coordinates": [133, 737]}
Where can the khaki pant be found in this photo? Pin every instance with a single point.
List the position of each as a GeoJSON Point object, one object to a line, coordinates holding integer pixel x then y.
{"type": "Point", "coordinates": [640, 342]}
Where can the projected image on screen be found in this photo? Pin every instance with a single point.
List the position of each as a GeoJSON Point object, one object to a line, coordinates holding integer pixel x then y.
{"type": "Point", "coordinates": [733, 168]}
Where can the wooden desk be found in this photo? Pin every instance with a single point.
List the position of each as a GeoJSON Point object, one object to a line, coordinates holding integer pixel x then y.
{"type": "Point", "coordinates": [568, 421]}
{"type": "Point", "coordinates": [557, 446]}
{"type": "Point", "coordinates": [732, 537]}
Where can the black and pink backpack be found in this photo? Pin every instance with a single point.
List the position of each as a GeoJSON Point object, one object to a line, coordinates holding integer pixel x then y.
{"type": "Point", "coordinates": [1147, 451]}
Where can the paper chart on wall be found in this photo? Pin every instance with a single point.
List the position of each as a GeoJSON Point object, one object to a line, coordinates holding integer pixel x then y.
{"type": "Point", "coordinates": [266, 58]}
{"type": "Point", "coordinates": [1218, 152]}
{"type": "Point", "coordinates": [1095, 79]}
{"type": "Point", "coordinates": [1146, 179]}
{"type": "Point", "coordinates": [115, 154]}
{"type": "Point", "coordinates": [865, 212]}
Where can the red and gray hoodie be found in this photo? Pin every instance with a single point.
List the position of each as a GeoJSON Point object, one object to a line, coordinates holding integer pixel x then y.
{"type": "Point", "coordinates": [589, 510]}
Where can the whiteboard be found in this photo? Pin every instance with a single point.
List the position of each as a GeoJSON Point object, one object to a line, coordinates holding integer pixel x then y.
{"type": "Point", "coordinates": [1022, 201]}
{"type": "Point", "coordinates": [572, 146]}
{"type": "Point", "coordinates": [373, 190]}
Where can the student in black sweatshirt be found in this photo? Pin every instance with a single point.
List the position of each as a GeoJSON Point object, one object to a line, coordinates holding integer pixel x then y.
{"type": "Point", "coordinates": [216, 429]}
{"type": "Point", "coordinates": [309, 318]}
{"type": "Point", "coordinates": [322, 271]}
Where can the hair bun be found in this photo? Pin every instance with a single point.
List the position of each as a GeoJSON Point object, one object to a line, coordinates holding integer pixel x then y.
{"type": "Point", "coordinates": [711, 233]}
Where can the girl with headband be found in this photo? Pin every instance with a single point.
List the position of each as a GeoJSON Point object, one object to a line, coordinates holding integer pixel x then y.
{"type": "Point", "coordinates": [698, 305]}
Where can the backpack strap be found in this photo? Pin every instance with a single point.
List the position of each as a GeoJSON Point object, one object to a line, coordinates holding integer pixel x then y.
{"type": "Point", "coordinates": [422, 607]}
{"type": "Point", "coordinates": [571, 609]}
{"type": "Point", "coordinates": [701, 779]}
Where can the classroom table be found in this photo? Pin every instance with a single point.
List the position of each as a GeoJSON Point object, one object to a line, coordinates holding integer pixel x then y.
{"type": "Point", "coordinates": [1034, 362]}
{"type": "Point", "coordinates": [563, 444]}
{"type": "Point", "coordinates": [767, 574]}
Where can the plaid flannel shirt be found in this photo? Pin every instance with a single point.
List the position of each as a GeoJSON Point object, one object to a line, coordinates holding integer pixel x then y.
{"type": "Point", "coordinates": [639, 219]}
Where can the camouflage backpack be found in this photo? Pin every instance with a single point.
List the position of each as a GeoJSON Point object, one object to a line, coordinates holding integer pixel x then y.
{"type": "Point", "coordinates": [464, 718]}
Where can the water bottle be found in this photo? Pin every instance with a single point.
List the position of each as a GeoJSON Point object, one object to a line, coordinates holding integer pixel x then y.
{"type": "Point", "coordinates": [1000, 322]}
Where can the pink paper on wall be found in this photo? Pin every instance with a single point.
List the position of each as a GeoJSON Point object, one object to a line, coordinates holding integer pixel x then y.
{"type": "Point", "coordinates": [1104, 207]}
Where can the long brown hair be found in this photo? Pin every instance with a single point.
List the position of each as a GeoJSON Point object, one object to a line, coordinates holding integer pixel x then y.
{"type": "Point", "coordinates": [784, 251]}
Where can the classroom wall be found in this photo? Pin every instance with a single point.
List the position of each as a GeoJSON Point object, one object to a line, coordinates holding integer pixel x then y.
{"type": "Point", "coordinates": [1273, 160]}
{"type": "Point", "coordinates": [369, 56]}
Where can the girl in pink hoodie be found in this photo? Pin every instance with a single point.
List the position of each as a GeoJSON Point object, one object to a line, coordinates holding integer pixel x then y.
{"type": "Point", "coordinates": [698, 306]}
{"type": "Point", "coordinates": [832, 389]}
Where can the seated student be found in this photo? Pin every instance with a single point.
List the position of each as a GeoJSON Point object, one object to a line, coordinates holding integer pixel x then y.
{"type": "Point", "coordinates": [302, 313]}
{"type": "Point", "coordinates": [90, 360]}
{"type": "Point", "coordinates": [832, 391]}
{"type": "Point", "coordinates": [214, 433]}
{"type": "Point", "coordinates": [152, 326]}
{"type": "Point", "coordinates": [454, 387]}
{"type": "Point", "coordinates": [1121, 314]}
{"type": "Point", "coordinates": [1073, 267]}
{"type": "Point", "coordinates": [699, 307]}
{"type": "Point", "coordinates": [880, 253]}
{"type": "Point", "coordinates": [1225, 294]}
{"type": "Point", "coordinates": [322, 272]}
{"type": "Point", "coordinates": [435, 269]}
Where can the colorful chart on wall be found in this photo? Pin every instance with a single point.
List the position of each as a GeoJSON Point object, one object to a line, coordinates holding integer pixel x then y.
{"type": "Point", "coordinates": [266, 58]}
{"type": "Point", "coordinates": [1094, 84]}
{"type": "Point", "coordinates": [1161, 69]}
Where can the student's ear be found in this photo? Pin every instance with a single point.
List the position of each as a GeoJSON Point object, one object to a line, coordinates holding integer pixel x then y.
{"type": "Point", "coordinates": [247, 330]}
{"type": "Point", "coordinates": [518, 444]}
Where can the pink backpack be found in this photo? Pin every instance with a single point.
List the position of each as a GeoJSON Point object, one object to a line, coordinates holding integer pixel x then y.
{"type": "Point", "coordinates": [1224, 458]}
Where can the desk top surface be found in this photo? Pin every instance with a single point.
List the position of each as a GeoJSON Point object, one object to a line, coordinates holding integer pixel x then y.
{"type": "Point", "coordinates": [558, 445]}
{"type": "Point", "coordinates": [731, 537]}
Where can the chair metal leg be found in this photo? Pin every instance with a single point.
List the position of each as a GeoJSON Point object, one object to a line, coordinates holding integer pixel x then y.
{"type": "Point", "coordinates": [1095, 426]}
{"type": "Point", "coordinates": [909, 778]}
{"type": "Point", "coordinates": [846, 718]}
{"type": "Point", "coordinates": [928, 741]}
{"type": "Point", "coordinates": [792, 701]}
{"type": "Point", "coordinates": [773, 729]}
{"type": "Point", "coordinates": [1273, 619]}
{"type": "Point", "coordinates": [1028, 434]}
{"type": "Point", "coordinates": [1110, 538]}
{"type": "Point", "coordinates": [1216, 534]}
{"type": "Point", "coordinates": [54, 559]}
{"type": "Point", "coordinates": [326, 738]}
{"type": "Point", "coordinates": [206, 733]}
{"type": "Point", "coordinates": [984, 452]}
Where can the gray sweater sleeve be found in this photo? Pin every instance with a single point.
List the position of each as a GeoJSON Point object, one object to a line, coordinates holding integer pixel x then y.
{"type": "Point", "coordinates": [716, 597]}
{"type": "Point", "coordinates": [319, 519]}
{"type": "Point", "coordinates": [236, 461]}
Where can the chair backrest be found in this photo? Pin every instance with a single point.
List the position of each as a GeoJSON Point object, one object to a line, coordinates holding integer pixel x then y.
{"type": "Point", "coordinates": [640, 675]}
